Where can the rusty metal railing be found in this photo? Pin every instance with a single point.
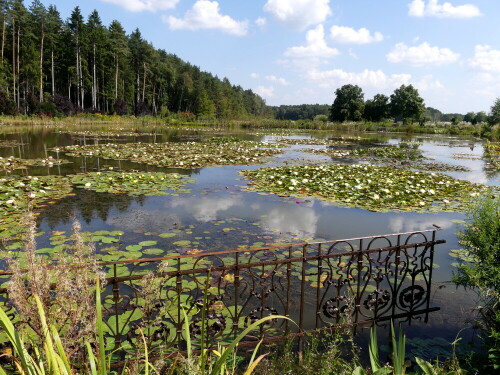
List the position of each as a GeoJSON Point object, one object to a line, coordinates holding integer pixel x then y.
{"type": "Point", "coordinates": [320, 285]}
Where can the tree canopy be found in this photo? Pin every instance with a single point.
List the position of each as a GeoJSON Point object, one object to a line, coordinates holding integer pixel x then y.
{"type": "Point", "coordinates": [495, 112]}
{"type": "Point", "coordinates": [80, 65]}
{"type": "Point", "coordinates": [406, 104]}
{"type": "Point", "coordinates": [348, 104]}
{"type": "Point", "coordinates": [377, 109]}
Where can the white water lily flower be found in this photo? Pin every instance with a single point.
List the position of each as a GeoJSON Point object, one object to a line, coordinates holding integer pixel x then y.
{"type": "Point", "coordinates": [293, 182]}
{"type": "Point", "coordinates": [431, 191]}
{"type": "Point", "coordinates": [88, 184]}
{"type": "Point", "coordinates": [10, 201]}
{"type": "Point", "coordinates": [279, 182]}
{"type": "Point", "coordinates": [21, 185]}
{"type": "Point", "coordinates": [291, 188]}
{"type": "Point", "coordinates": [376, 196]}
{"type": "Point", "coordinates": [305, 180]}
{"type": "Point", "coordinates": [422, 191]}
{"type": "Point", "coordinates": [421, 203]}
{"type": "Point", "coordinates": [32, 195]}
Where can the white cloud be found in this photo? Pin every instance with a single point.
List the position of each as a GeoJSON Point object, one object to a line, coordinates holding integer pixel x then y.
{"type": "Point", "coordinates": [315, 46]}
{"type": "Point", "coordinates": [486, 58]}
{"type": "Point", "coordinates": [418, 8]}
{"type": "Point", "coordinates": [421, 55]}
{"type": "Point", "coordinates": [279, 80]}
{"type": "Point", "coordinates": [428, 83]}
{"type": "Point", "coordinates": [261, 22]}
{"type": "Point", "coordinates": [372, 78]}
{"type": "Point", "coordinates": [254, 75]}
{"type": "Point", "coordinates": [299, 14]}
{"type": "Point", "coordinates": [206, 15]}
{"type": "Point", "coordinates": [343, 34]}
{"type": "Point", "coordinates": [265, 92]}
{"type": "Point", "coordinates": [141, 5]}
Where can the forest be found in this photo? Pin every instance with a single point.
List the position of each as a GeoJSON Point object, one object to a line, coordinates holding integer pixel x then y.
{"type": "Point", "coordinates": [50, 66]}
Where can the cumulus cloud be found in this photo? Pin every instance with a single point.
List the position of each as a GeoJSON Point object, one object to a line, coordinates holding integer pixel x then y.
{"type": "Point", "coordinates": [299, 14]}
{"type": "Point", "coordinates": [486, 58]}
{"type": "Point", "coordinates": [141, 5]}
{"type": "Point", "coordinates": [428, 83]}
{"type": "Point", "coordinates": [366, 78]}
{"type": "Point", "coordinates": [206, 15]}
{"type": "Point", "coordinates": [343, 34]}
{"type": "Point", "coordinates": [265, 92]}
{"type": "Point", "coordinates": [315, 46]}
{"type": "Point", "coordinates": [254, 75]}
{"type": "Point", "coordinates": [279, 80]}
{"type": "Point", "coordinates": [419, 8]}
{"type": "Point", "coordinates": [421, 55]}
{"type": "Point", "coordinates": [261, 22]}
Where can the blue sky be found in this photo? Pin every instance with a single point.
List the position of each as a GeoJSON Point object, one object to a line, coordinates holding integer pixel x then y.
{"type": "Point", "coordinates": [300, 51]}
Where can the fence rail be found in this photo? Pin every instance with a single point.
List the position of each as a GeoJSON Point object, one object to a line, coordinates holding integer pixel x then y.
{"type": "Point", "coordinates": [320, 285]}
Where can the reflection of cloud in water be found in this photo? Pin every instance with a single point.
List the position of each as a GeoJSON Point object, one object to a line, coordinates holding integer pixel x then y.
{"type": "Point", "coordinates": [297, 220]}
{"type": "Point", "coordinates": [206, 209]}
{"type": "Point", "coordinates": [404, 224]}
{"type": "Point", "coordinates": [140, 218]}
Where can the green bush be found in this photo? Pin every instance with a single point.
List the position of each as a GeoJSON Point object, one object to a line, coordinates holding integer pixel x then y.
{"type": "Point", "coordinates": [480, 239]}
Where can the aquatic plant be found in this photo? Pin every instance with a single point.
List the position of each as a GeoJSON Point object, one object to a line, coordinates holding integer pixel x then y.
{"type": "Point", "coordinates": [367, 186]}
{"type": "Point", "coordinates": [132, 183]}
{"type": "Point", "coordinates": [181, 154]}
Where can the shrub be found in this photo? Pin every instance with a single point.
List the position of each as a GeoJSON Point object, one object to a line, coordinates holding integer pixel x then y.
{"type": "Point", "coordinates": [480, 239]}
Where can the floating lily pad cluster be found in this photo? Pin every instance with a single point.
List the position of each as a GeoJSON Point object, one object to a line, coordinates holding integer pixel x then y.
{"type": "Point", "coordinates": [11, 163]}
{"type": "Point", "coordinates": [367, 186]}
{"type": "Point", "coordinates": [371, 153]}
{"type": "Point", "coordinates": [107, 134]}
{"type": "Point", "coordinates": [182, 154]}
{"type": "Point", "coordinates": [132, 183]}
{"type": "Point", "coordinates": [17, 194]}
{"type": "Point", "coordinates": [429, 166]}
{"type": "Point", "coordinates": [311, 141]}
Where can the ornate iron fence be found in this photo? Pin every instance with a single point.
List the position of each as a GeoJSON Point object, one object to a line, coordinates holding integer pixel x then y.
{"type": "Point", "coordinates": [320, 285]}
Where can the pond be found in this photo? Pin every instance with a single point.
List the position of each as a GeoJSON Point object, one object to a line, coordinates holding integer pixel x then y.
{"type": "Point", "coordinates": [206, 204]}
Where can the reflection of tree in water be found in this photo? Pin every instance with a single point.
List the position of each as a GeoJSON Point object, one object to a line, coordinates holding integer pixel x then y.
{"type": "Point", "coordinates": [88, 204]}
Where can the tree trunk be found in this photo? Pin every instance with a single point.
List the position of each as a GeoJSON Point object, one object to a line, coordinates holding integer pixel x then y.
{"type": "Point", "coordinates": [116, 77]}
{"type": "Point", "coordinates": [144, 84]}
{"type": "Point", "coordinates": [52, 73]}
{"type": "Point", "coordinates": [3, 34]}
{"type": "Point", "coordinates": [18, 66]}
{"type": "Point", "coordinates": [41, 66]}
{"type": "Point", "coordinates": [14, 96]}
{"type": "Point", "coordinates": [94, 84]}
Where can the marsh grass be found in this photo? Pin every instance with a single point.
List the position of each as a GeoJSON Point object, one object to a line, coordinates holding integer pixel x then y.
{"type": "Point", "coordinates": [65, 289]}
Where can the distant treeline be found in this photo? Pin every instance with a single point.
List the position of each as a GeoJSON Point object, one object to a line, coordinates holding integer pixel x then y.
{"type": "Point", "coordinates": [50, 66]}
{"type": "Point", "coordinates": [300, 112]}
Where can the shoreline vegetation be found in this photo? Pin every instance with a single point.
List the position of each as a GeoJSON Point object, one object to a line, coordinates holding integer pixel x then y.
{"type": "Point", "coordinates": [480, 130]}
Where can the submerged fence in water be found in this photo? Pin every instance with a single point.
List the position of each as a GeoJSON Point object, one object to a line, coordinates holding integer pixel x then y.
{"type": "Point", "coordinates": [320, 285]}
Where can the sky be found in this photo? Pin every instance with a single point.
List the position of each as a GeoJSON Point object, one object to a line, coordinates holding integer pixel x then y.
{"type": "Point", "coordinates": [301, 51]}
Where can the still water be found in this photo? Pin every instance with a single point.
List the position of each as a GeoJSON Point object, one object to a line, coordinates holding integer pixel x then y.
{"type": "Point", "coordinates": [218, 214]}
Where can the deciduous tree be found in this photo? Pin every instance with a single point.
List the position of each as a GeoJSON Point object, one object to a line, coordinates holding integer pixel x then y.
{"type": "Point", "coordinates": [348, 104]}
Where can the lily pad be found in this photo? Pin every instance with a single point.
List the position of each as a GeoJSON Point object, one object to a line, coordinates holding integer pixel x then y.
{"type": "Point", "coordinates": [368, 186]}
{"type": "Point", "coordinates": [132, 183]}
